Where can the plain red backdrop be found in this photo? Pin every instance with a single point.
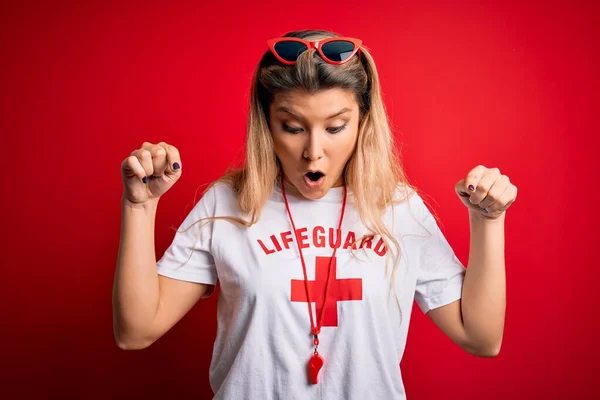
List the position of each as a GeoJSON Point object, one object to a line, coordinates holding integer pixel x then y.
{"type": "Point", "coordinates": [82, 85]}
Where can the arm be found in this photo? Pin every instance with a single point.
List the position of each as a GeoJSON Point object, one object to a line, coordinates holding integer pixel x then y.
{"type": "Point", "coordinates": [145, 305]}
{"type": "Point", "coordinates": [476, 322]}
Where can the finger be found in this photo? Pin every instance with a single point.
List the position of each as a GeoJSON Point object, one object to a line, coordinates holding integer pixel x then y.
{"type": "Point", "coordinates": [132, 167]}
{"type": "Point", "coordinates": [495, 192]}
{"type": "Point", "coordinates": [145, 159]}
{"type": "Point", "coordinates": [173, 160]}
{"type": "Point", "coordinates": [507, 198]}
{"type": "Point", "coordinates": [459, 188]}
{"type": "Point", "coordinates": [473, 177]}
{"type": "Point", "coordinates": [485, 180]}
{"type": "Point", "coordinates": [158, 155]}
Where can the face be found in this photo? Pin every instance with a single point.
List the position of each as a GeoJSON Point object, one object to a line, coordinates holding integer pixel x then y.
{"type": "Point", "coordinates": [314, 136]}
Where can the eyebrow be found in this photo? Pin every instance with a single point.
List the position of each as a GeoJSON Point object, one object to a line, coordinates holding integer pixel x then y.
{"type": "Point", "coordinates": [287, 110]}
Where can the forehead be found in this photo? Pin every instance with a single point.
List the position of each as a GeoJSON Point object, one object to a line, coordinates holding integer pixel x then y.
{"type": "Point", "coordinates": [324, 102]}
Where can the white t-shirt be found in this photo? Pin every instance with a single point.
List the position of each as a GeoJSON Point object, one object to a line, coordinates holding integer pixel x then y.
{"type": "Point", "coordinates": [264, 339]}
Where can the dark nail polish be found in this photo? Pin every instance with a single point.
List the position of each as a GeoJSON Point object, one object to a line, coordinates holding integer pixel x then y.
{"type": "Point", "coordinates": [145, 179]}
{"type": "Point", "coordinates": [176, 166]}
{"type": "Point", "coordinates": [471, 188]}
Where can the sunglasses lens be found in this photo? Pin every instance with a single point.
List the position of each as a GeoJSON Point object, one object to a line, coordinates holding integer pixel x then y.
{"type": "Point", "coordinates": [338, 50]}
{"type": "Point", "coordinates": [290, 50]}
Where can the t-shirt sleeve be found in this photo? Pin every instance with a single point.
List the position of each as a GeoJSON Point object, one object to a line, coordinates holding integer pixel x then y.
{"type": "Point", "coordinates": [441, 274]}
{"type": "Point", "coordinates": [188, 257]}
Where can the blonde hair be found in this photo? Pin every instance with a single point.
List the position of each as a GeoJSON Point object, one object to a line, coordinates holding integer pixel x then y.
{"type": "Point", "coordinates": [373, 172]}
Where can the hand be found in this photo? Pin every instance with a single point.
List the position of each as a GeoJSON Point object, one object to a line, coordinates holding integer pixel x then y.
{"type": "Point", "coordinates": [492, 192]}
{"type": "Point", "coordinates": [149, 172]}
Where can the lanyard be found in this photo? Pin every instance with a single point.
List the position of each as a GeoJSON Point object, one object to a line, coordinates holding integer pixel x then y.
{"type": "Point", "coordinates": [316, 361]}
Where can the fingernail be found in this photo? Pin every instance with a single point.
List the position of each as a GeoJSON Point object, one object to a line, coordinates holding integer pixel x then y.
{"type": "Point", "coordinates": [485, 211]}
{"type": "Point", "coordinates": [176, 166]}
{"type": "Point", "coordinates": [145, 179]}
{"type": "Point", "coordinates": [471, 188]}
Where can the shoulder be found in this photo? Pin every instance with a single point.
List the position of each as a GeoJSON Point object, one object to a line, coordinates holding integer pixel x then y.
{"type": "Point", "coordinates": [213, 194]}
{"type": "Point", "coordinates": [407, 197]}
{"type": "Point", "coordinates": [408, 210]}
{"type": "Point", "coordinates": [219, 198]}
{"type": "Point", "coordinates": [220, 190]}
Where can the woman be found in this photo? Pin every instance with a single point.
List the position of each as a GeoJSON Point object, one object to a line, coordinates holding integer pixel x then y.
{"type": "Point", "coordinates": [319, 243]}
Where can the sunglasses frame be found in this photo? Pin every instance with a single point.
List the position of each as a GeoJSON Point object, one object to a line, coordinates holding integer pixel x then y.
{"type": "Point", "coordinates": [315, 45]}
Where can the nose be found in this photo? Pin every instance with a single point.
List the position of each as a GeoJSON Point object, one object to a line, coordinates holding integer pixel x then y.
{"type": "Point", "coordinates": [314, 147]}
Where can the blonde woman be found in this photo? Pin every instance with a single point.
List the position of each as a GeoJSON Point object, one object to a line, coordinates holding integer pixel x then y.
{"type": "Point", "coordinates": [319, 243]}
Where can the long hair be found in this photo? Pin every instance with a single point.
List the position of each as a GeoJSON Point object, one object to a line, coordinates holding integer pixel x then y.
{"type": "Point", "coordinates": [373, 172]}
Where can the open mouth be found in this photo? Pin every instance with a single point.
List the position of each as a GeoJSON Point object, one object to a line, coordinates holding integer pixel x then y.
{"type": "Point", "coordinates": [314, 176]}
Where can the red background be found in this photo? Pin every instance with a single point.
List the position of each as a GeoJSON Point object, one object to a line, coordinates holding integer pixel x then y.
{"type": "Point", "coordinates": [83, 84]}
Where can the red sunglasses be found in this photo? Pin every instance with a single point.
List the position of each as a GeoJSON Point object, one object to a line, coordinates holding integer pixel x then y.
{"type": "Point", "coordinates": [336, 50]}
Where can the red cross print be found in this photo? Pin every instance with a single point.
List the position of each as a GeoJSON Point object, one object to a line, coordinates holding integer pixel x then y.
{"type": "Point", "coordinates": [339, 290]}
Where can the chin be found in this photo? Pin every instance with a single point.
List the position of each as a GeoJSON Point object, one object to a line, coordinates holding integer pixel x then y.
{"type": "Point", "coordinates": [314, 194]}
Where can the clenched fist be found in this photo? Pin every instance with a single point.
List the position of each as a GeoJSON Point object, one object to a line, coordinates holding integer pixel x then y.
{"type": "Point", "coordinates": [149, 172]}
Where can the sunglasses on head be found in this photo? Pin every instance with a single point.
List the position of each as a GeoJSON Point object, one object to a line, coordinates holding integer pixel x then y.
{"type": "Point", "coordinates": [336, 50]}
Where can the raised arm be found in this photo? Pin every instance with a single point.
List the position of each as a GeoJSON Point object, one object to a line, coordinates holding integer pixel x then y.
{"type": "Point", "coordinates": [145, 304]}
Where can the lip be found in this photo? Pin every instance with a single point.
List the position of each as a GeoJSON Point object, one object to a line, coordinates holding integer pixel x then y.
{"type": "Point", "coordinates": [314, 185]}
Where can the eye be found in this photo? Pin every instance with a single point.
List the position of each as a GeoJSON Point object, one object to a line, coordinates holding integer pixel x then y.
{"type": "Point", "coordinates": [337, 129]}
{"type": "Point", "coordinates": [289, 129]}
